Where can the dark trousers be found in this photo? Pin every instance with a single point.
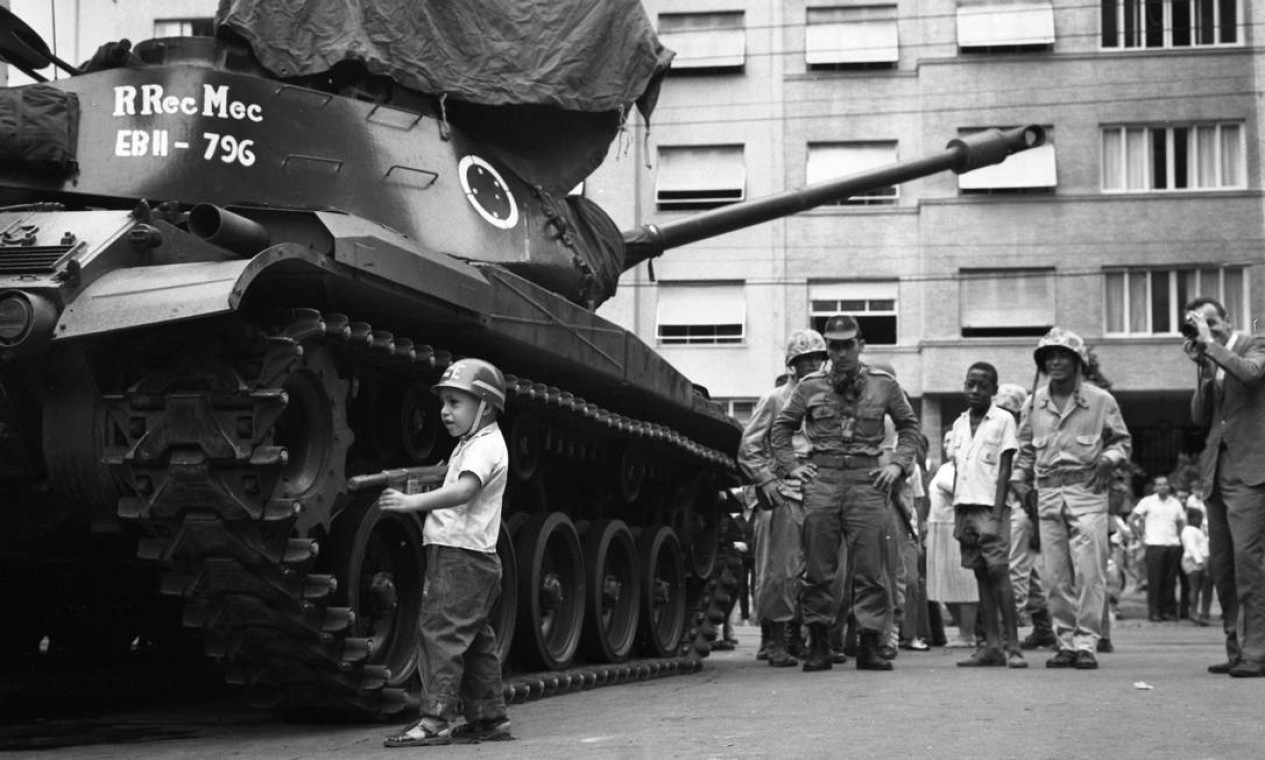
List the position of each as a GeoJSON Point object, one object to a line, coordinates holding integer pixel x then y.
{"type": "Point", "coordinates": [843, 505]}
{"type": "Point", "coordinates": [1183, 594]}
{"type": "Point", "coordinates": [457, 661]}
{"type": "Point", "coordinates": [1163, 563]}
{"type": "Point", "coordinates": [1236, 558]}
{"type": "Point", "coordinates": [1200, 593]}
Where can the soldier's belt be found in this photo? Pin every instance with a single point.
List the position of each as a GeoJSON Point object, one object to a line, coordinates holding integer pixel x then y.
{"type": "Point", "coordinates": [1064, 478]}
{"type": "Point", "coordinates": [843, 461]}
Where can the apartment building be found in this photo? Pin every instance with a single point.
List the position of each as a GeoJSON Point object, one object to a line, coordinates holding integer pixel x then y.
{"type": "Point", "coordinates": [1148, 191]}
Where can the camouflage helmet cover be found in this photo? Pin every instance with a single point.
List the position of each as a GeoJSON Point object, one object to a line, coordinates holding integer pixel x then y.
{"type": "Point", "coordinates": [802, 343]}
{"type": "Point", "coordinates": [476, 377]}
{"type": "Point", "coordinates": [1060, 337]}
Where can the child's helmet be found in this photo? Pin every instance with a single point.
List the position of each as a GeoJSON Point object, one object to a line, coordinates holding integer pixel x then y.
{"type": "Point", "coordinates": [476, 377]}
{"type": "Point", "coordinates": [803, 343]}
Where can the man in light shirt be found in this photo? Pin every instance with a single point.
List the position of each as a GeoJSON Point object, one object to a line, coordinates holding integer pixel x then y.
{"type": "Point", "coordinates": [1159, 519]}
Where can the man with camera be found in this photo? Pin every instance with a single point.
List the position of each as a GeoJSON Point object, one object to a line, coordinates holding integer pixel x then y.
{"type": "Point", "coordinates": [1229, 401]}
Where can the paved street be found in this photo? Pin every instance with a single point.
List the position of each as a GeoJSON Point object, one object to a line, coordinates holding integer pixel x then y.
{"type": "Point", "coordinates": [738, 708]}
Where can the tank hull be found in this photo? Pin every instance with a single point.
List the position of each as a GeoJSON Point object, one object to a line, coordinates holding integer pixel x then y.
{"type": "Point", "coordinates": [237, 303]}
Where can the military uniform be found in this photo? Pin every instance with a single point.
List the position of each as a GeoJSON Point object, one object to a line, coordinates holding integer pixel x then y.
{"type": "Point", "coordinates": [1059, 450]}
{"type": "Point", "coordinates": [845, 432]}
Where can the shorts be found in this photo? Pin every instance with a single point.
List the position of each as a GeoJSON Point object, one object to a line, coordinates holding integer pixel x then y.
{"type": "Point", "coordinates": [985, 540]}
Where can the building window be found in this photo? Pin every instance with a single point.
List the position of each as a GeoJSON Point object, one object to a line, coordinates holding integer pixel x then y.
{"type": "Point", "coordinates": [1005, 24]}
{"type": "Point", "coordinates": [1151, 301]}
{"type": "Point", "coordinates": [701, 313]}
{"type": "Point", "coordinates": [705, 41]}
{"type": "Point", "coordinates": [1191, 157]}
{"type": "Point", "coordinates": [184, 27]}
{"type": "Point", "coordinates": [1169, 23]}
{"type": "Point", "coordinates": [853, 37]}
{"type": "Point", "coordinates": [872, 303]}
{"type": "Point", "coordinates": [701, 176]}
{"type": "Point", "coordinates": [739, 408]}
{"type": "Point", "coordinates": [827, 161]}
{"type": "Point", "coordinates": [1032, 169]}
{"type": "Point", "coordinates": [999, 303]}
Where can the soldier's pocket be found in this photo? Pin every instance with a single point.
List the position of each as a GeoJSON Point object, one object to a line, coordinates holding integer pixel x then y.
{"type": "Point", "coordinates": [869, 423]}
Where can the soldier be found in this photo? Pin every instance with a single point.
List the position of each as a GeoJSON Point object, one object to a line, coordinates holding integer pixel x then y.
{"type": "Point", "coordinates": [847, 488]}
{"type": "Point", "coordinates": [1071, 439]}
{"type": "Point", "coordinates": [778, 521]}
{"type": "Point", "coordinates": [1025, 545]}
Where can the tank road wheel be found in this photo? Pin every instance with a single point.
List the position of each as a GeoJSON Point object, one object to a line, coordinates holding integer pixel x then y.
{"type": "Point", "coordinates": [632, 473]}
{"type": "Point", "coordinates": [705, 523]}
{"type": "Point", "coordinates": [506, 608]}
{"type": "Point", "coordinates": [662, 568]}
{"type": "Point", "coordinates": [378, 561]}
{"type": "Point", "coordinates": [526, 445]}
{"type": "Point", "coordinates": [419, 422]}
{"type": "Point", "coordinates": [614, 591]}
{"type": "Point", "coordinates": [550, 590]}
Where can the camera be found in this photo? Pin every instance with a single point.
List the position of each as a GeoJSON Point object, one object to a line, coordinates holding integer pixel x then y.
{"type": "Point", "coordinates": [1189, 329]}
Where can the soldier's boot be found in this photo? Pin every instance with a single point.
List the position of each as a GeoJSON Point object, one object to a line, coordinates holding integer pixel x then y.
{"type": "Point", "coordinates": [818, 655]}
{"type": "Point", "coordinates": [795, 639]}
{"type": "Point", "coordinates": [850, 637]}
{"type": "Point", "coordinates": [778, 656]}
{"type": "Point", "coordinates": [763, 652]}
{"type": "Point", "coordinates": [868, 656]}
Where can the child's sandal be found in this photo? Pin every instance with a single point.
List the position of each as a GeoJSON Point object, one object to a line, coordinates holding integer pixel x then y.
{"type": "Point", "coordinates": [420, 735]}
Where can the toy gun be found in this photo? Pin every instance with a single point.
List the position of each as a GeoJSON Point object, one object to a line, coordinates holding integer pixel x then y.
{"type": "Point", "coordinates": [405, 479]}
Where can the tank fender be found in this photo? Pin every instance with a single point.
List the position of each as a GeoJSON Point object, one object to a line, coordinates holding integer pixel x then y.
{"type": "Point", "coordinates": [141, 296]}
{"type": "Point", "coordinates": [401, 264]}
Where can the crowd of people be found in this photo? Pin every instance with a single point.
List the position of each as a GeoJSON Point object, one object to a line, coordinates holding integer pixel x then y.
{"type": "Point", "coordinates": [1028, 521]}
{"type": "Point", "coordinates": [854, 544]}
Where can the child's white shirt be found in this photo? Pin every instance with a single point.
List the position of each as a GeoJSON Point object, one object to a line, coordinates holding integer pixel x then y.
{"type": "Point", "coordinates": [477, 523]}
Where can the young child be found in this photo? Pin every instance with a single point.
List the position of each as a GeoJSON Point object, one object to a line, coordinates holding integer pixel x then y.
{"type": "Point", "coordinates": [458, 662]}
{"type": "Point", "coordinates": [983, 448]}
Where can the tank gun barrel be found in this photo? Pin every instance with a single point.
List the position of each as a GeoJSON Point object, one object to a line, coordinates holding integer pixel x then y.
{"type": "Point", "coordinates": [963, 154]}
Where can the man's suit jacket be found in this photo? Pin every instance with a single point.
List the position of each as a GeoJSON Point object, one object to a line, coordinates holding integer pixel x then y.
{"type": "Point", "coordinates": [1233, 411]}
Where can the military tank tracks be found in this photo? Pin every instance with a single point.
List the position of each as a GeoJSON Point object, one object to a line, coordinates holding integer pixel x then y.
{"type": "Point", "coordinates": [236, 453]}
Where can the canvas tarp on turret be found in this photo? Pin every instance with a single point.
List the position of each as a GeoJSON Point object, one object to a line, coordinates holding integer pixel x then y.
{"type": "Point", "coordinates": [549, 83]}
{"type": "Point", "coordinates": [579, 55]}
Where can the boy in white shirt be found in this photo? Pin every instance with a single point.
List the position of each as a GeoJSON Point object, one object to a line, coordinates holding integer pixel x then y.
{"type": "Point", "coordinates": [1195, 566]}
{"type": "Point", "coordinates": [983, 447]}
{"type": "Point", "coordinates": [458, 662]}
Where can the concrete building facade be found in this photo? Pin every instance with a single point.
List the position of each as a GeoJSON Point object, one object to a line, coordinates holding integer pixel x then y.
{"type": "Point", "coordinates": [1148, 193]}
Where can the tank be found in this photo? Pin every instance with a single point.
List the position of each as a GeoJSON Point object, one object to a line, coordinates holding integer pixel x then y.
{"type": "Point", "coordinates": [230, 273]}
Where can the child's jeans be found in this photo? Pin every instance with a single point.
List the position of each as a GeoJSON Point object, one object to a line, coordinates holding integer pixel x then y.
{"type": "Point", "coordinates": [458, 659]}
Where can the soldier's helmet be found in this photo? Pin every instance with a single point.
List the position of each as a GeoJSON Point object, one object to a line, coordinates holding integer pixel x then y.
{"type": "Point", "coordinates": [1059, 337]}
{"type": "Point", "coordinates": [804, 342]}
{"type": "Point", "coordinates": [841, 327]}
{"type": "Point", "coordinates": [476, 377]}
{"type": "Point", "coordinates": [1011, 397]}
